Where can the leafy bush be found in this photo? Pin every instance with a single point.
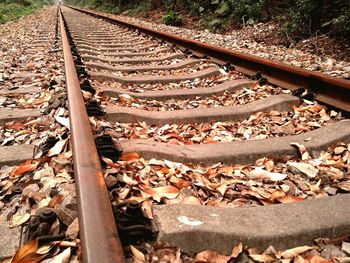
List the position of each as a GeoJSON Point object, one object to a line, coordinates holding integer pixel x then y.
{"type": "Point", "coordinates": [307, 17]}
{"type": "Point", "coordinates": [341, 24]}
{"type": "Point", "coordinates": [249, 11]}
{"type": "Point", "coordinates": [303, 18]}
{"type": "Point", "coordinates": [172, 18]}
{"type": "Point", "coordinates": [14, 9]}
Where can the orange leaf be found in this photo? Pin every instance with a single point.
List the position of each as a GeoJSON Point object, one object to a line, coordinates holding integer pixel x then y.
{"type": "Point", "coordinates": [39, 101]}
{"type": "Point", "coordinates": [318, 259]}
{"type": "Point", "coordinates": [174, 135]}
{"type": "Point", "coordinates": [26, 250]}
{"type": "Point", "coordinates": [24, 167]}
{"type": "Point", "coordinates": [208, 141]}
{"type": "Point", "coordinates": [179, 183]}
{"type": "Point", "coordinates": [249, 193]}
{"type": "Point", "coordinates": [55, 200]}
{"type": "Point", "coordinates": [16, 126]}
{"type": "Point", "coordinates": [211, 256]}
{"type": "Point", "coordinates": [290, 199]}
{"type": "Point", "coordinates": [164, 170]}
{"type": "Point", "coordinates": [277, 194]}
{"type": "Point", "coordinates": [130, 157]}
{"type": "Point", "coordinates": [158, 193]}
{"type": "Point", "coordinates": [237, 250]}
{"type": "Point", "coordinates": [109, 162]}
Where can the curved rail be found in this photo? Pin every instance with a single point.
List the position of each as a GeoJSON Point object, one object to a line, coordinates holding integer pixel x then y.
{"type": "Point", "coordinates": [329, 90]}
{"type": "Point", "coordinates": [98, 231]}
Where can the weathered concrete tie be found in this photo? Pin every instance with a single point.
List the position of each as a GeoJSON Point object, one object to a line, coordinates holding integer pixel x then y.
{"type": "Point", "coordinates": [242, 152]}
{"type": "Point", "coordinates": [198, 228]}
{"type": "Point", "coordinates": [275, 102]}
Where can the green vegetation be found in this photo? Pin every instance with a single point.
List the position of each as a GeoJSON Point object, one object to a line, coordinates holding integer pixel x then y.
{"type": "Point", "coordinates": [172, 18]}
{"type": "Point", "coordinates": [297, 18]}
{"type": "Point", "coordinates": [14, 9]}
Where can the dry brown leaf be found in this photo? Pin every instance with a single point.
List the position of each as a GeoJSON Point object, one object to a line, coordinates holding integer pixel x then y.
{"type": "Point", "coordinates": [293, 252]}
{"type": "Point", "coordinates": [18, 220]}
{"type": "Point", "coordinates": [138, 255]}
{"type": "Point", "coordinates": [290, 199]}
{"type": "Point", "coordinates": [27, 253]}
{"type": "Point", "coordinates": [57, 148]}
{"type": "Point", "coordinates": [269, 165]}
{"type": "Point", "coordinates": [222, 188]}
{"type": "Point", "coordinates": [158, 193]}
{"type": "Point", "coordinates": [179, 182]}
{"type": "Point", "coordinates": [318, 259]}
{"type": "Point", "coordinates": [56, 200]}
{"type": "Point", "coordinates": [63, 121]}
{"type": "Point", "coordinates": [128, 180]}
{"type": "Point", "coordinates": [259, 173]}
{"type": "Point", "coordinates": [25, 167]}
{"type": "Point", "coordinates": [129, 157]}
{"type": "Point", "coordinates": [302, 150]}
{"type": "Point", "coordinates": [109, 162]}
{"type": "Point", "coordinates": [63, 257]}
{"type": "Point", "coordinates": [277, 194]}
{"type": "Point", "coordinates": [262, 258]}
{"type": "Point", "coordinates": [211, 256]}
{"type": "Point", "coordinates": [237, 250]}
{"type": "Point", "coordinates": [344, 185]}
{"type": "Point", "coordinates": [147, 208]}
{"type": "Point", "coordinates": [16, 126]}
{"type": "Point", "coordinates": [249, 193]}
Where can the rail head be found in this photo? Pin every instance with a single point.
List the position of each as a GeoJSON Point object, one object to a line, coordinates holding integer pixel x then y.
{"type": "Point", "coordinates": [98, 231]}
{"type": "Point", "coordinates": [329, 90]}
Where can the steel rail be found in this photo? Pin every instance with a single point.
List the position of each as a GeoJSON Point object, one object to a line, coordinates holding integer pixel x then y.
{"type": "Point", "coordinates": [329, 90]}
{"type": "Point", "coordinates": [98, 231]}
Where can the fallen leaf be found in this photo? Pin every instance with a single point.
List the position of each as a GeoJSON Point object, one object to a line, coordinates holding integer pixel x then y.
{"type": "Point", "coordinates": [60, 258]}
{"type": "Point", "coordinates": [16, 126]}
{"type": "Point", "coordinates": [262, 258]}
{"type": "Point", "coordinates": [27, 253]}
{"type": "Point", "coordinates": [179, 182]}
{"type": "Point", "coordinates": [211, 256]}
{"type": "Point", "coordinates": [302, 150]}
{"type": "Point", "coordinates": [277, 194]}
{"type": "Point", "coordinates": [158, 193]}
{"type": "Point", "coordinates": [269, 165]}
{"type": "Point", "coordinates": [63, 121]}
{"type": "Point", "coordinates": [25, 167]}
{"type": "Point", "coordinates": [293, 252]}
{"type": "Point", "coordinates": [147, 208]}
{"type": "Point", "coordinates": [237, 250]}
{"type": "Point", "coordinates": [318, 259]}
{"type": "Point", "coordinates": [58, 147]}
{"type": "Point", "coordinates": [109, 162]}
{"type": "Point", "coordinates": [55, 200]}
{"type": "Point", "coordinates": [128, 180]}
{"type": "Point", "coordinates": [259, 173]}
{"type": "Point", "coordinates": [138, 255]}
{"type": "Point", "coordinates": [20, 219]}
{"type": "Point", "coordinates": [129, 157]}
{"type": "Point", "coordinates": [344, 185]}
{"type": "Point", "coordinates": [290, 199]}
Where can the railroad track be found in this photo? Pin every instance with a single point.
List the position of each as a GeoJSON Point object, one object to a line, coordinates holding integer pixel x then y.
{"type": "Point", "coordinates": [183, 133]}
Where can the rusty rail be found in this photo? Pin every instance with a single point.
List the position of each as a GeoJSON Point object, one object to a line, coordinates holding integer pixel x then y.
{"type": "Point", "coordinates": [98, 231]}
{"type": "Point", "coordinates": [329, 90]}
